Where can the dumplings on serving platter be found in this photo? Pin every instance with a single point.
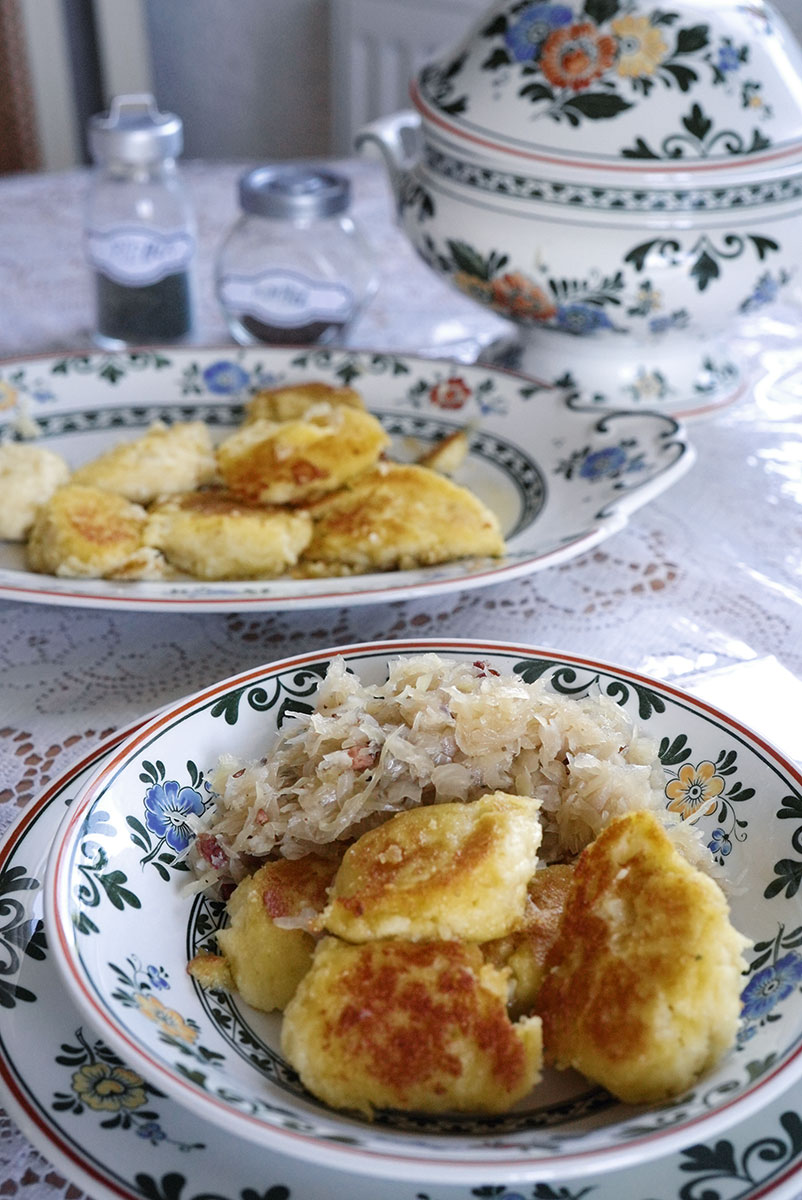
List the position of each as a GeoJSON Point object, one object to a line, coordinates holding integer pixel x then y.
{"type": "Point", "coordinates": [300, 488]}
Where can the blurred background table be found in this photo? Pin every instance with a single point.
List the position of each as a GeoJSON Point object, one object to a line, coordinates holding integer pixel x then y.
{"type": "Point", "coordinates": [702, 588]}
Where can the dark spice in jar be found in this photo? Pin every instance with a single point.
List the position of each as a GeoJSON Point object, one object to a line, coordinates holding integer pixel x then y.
{"type": "Point", "coordinates": [294, 269]}
{"type": "Point", "coordinates": [158, 311]}
{"type": "Point", "coordinates": [299, 335]}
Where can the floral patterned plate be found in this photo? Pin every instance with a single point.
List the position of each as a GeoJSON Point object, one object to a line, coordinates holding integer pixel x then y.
{"type": "Point", "coordinates": [560, 477]}
{"type": "Point", "coordinates": [112, 1133]}
{"type": "Point", "coordinates": [122, 929]}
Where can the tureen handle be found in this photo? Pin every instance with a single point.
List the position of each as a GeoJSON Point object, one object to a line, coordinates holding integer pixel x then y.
{"type": "Point", "coordinates": [399, 139]}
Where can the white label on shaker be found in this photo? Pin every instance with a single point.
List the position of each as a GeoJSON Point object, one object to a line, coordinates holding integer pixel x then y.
{"type": "Point", "coordinates": [286, 298]}
{"type": "Point", "coordinates": [138, 257]}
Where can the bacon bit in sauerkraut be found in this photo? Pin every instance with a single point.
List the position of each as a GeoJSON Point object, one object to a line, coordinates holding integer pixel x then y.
{"type": "Point", "coordinates": [363, 757]}
{"type": "Point", "coordinates": [437, 730]}
{"type": "Point", "coordinates": [211, 851]}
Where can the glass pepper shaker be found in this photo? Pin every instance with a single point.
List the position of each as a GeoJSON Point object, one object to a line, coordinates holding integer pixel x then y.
{"type": "Point", "coordinates": [294, 268]}
{"type": "Point", "coordinates": [139, 227]}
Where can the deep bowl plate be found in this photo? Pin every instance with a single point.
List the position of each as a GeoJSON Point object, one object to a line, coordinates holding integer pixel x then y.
{"type": "Point", "coordinates": [124, 928]}
{"type": "Point", "coordinates": [560, 477]}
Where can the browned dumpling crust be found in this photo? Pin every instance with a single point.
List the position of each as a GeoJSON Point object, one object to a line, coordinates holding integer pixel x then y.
{"type": "Point", "coordinates": [214, 534]}
{"type": "Point", "coordinates": [84, 532]}
{"type": "Point", "coordinates": [288, 462]}
{"type": "Point", "coordinates": [523, 952]}
{"type": "Point", "coordinates": [401, 516]}
{"type": "Point", "coordinates": [642, 990]}
{"type": "Point", "coordinates": [262, 960]}
{"type": "Point", "coordinates": [409, 1025]}
{"type": "Point", "coordinates": [444, 871]}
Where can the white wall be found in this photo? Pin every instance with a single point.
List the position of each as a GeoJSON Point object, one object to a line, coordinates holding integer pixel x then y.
{"type": "Point", "coordinates": [249, 77]}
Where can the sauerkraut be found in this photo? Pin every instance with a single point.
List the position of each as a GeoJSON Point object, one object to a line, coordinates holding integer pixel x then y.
{"type": "Point", "coordinates": [437, 730]}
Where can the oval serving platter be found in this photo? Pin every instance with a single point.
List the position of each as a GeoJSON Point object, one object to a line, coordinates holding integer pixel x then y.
{"type": "Point", "coordinates": [560, 477]}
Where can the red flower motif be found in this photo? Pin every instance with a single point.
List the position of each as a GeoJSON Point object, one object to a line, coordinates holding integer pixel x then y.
{"type": "Point", "coordinates": [576, 55]}
{"type": "Point", "coordinates": [450, 393]}
{"type": "Point", "coordinates": [517, 296]}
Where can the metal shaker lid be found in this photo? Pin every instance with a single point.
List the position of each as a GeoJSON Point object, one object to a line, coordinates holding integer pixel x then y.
{"type": "Point", "coordinates": [134, 131]}
{"type": "Point", "coordinates": [290, 191]}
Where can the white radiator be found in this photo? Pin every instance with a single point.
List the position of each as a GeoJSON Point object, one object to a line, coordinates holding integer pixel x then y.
{"type": "Point", "coordinates": [376, 46]}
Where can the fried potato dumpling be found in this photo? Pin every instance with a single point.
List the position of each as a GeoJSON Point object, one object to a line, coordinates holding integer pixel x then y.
{"type": "Point", "coordinates": [642, 991]}
{"type": "Point", "coordinates": [523, 952]}
{"type": "Point", "coordinates": [453, 870]}
{"type": "Point", "coordinates": [29, 475]}
{"type": "Point", "coordinates": [447, 455]}
{"type": "Point", "coordinates": [408, 1025]}
{"type": "Point", "coordinates": [167, 459]}
{"type": "Point", "coordinates": [216, 535]}
{"type": "Point", "coordinates": [401, 516]}
{"type": "Point", "coordinates": [212, 971]}
{"type": "Point", "coordinates": [271, 462]}
{"type": "Point", "coordinates": [83, 532]}
{"type": "Point", "coordinates": [292, 402]}
{"type": "Point", "coordinates": [261, 960]}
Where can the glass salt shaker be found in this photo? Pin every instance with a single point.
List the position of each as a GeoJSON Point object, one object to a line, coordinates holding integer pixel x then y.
{"type": "Point", "coordinates": [139, 226]}
{"type": "Point", "coordinates": [294, 268]}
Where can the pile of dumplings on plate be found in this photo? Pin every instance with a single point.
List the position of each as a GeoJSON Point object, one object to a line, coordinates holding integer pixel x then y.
{"type": "Point", "coordinates": [303, 487]}
{"type": "Point", "coordinates": [437, 966]}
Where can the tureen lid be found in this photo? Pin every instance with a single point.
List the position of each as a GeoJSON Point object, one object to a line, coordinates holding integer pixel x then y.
{"type": "Point", "coordinates": [623, 85]}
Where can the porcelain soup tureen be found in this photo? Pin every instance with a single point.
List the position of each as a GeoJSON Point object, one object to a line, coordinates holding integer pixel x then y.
{"type": "Point", "coordinates": [623, 181]}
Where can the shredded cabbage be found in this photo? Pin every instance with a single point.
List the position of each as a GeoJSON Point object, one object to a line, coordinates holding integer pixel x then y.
{"type": "Point", "coordinates": [437, 730]}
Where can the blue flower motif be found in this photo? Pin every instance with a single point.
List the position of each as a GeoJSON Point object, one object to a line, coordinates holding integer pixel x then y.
{"type": "Point", "coordinates": [167, 807]}
{"type": "Point", "coordinates": [728, 58]}
{"type": "Point", "coordinates": [746, 1033]}
{"type": "Point", "coordinates": [603, 462]}
{"type": "Point", "coordinates": [152, 1131]}
{"type": "Point", "coordinates": [224, 377]}
{"type": "Point", "coordinates": [157, 977]}
{"type": "Point", "coordinates": [525, 36]}
{"type": "Point", "coordinates": [766, 291]}
{"type": "Point", "coordinates": [770, 986]}
{"type": "Point", "coordinates": [661, 324]}
{"type": "Point", "coordinates": [581, 319]}
{"type": "Point", "coordinates": [720, 843]}
{"type": "Point", "coordinates": [42, 394]}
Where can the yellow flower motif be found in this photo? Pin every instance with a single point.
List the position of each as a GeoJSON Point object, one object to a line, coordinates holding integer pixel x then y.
{"type": "Point", "coordinates": [8, 395]}
{"type": "Point", "coordinates": [694, 793]}
{"type": "Point", "coordinates": [108, 1089]}
{"type": "Point", "coordinates": [478, 289]}
{"type": "Point", "coordinates": [641, 46]}
{"type": "Point", "coordinates": [167, 1019]}
{"type": "Point", "coordinates": [649, 298]}
{"type": "Point", "coordinates": [650, 383]}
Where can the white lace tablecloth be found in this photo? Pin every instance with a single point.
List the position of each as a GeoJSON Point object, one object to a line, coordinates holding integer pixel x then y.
{"type": "Point", "coordinates": [706, 578]}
